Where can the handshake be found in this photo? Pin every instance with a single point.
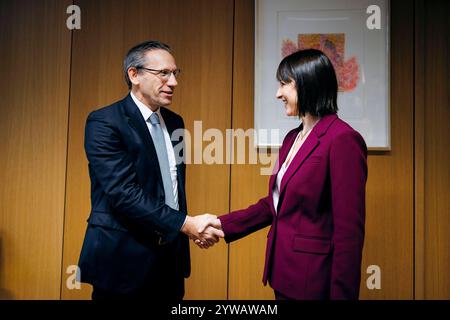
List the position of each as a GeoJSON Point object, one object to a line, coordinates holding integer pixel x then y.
{"type": "Point", "coordinates": [205, 230]}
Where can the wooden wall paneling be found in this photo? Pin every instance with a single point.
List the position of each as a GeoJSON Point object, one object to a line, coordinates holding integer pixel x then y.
{"type": "Point", "coordinates": [202, 39]}
{"type": "Point", "coordinates": [34, 61]}
{"type": "Point", "coordinates": [436, 146]}
{"type": "Point", "coordinates": [419, 147]}
{"type": "Point", "coordinates": [246, 262]}
{"type": "Point", "coordinates": [389, 194]}
{"type": "Point", "coordinates": [200, 34]}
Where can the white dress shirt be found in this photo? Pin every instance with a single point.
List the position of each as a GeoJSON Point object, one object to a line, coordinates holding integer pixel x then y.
{"type": "Point", "coordinates": [146, 113]}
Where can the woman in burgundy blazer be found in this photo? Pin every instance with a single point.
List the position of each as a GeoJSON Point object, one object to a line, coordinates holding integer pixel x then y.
{"type": "Point", "coordinates": [316, 198]}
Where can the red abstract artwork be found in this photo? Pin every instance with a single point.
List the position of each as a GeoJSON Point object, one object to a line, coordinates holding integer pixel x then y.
{"type": "Point", "coordinates": [333, 45]}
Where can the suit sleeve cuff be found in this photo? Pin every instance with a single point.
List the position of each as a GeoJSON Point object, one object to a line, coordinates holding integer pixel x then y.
{"type": "Point", "coordinates": [182, 226]}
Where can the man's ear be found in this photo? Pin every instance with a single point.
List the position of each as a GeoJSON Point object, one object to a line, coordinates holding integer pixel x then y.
{"type": "Point", "coordinates": [133, 75]}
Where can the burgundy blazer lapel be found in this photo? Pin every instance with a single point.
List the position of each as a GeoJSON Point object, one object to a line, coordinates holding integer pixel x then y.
{"type": "Point", "coordinates": [307, 148]}
{"type": "Point", "coordinates": [284, 150]}
{"type": "Point", "coordinates": [303, 153]}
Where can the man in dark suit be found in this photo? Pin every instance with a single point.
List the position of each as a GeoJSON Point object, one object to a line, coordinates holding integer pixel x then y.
{"type": "Point", "coordinates": [136, 244]}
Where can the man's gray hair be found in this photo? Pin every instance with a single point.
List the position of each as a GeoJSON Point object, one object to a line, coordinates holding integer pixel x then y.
{"type": "Point", "coordinates": [135, 57]}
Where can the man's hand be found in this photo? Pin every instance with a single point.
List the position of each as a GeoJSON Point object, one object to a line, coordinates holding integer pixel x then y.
{"type": "Point", "coordinates": [197, 229]}
{"type": "Point", "coordinates": [213, 228]}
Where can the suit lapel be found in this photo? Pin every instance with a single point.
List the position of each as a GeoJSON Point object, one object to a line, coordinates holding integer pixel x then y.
{"type": "Point", "coordinates": [302, 154]}
{"type": "Point", "coordinates": [284, 150]}
{"type": "Point", "coordinates": [170, 125]}
{"type": "Point", "coordinates": [137, 122]}
{"type": "Point", "coordinates": [307, 148]}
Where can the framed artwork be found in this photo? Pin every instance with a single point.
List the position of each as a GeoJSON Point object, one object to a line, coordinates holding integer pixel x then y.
{"type": "Point", "coordinates": [359, 53]}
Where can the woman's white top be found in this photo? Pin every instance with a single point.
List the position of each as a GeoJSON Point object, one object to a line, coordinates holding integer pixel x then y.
{"type": "Point", "coordinates": [280, 175]}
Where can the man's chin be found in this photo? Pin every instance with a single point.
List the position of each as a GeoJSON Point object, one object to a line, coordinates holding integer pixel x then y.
{"type": "Point", "coordinates": [165, 103]}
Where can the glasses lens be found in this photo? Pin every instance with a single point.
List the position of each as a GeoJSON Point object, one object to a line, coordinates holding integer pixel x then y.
{"type": "Point", "coordinates": [166, 73]}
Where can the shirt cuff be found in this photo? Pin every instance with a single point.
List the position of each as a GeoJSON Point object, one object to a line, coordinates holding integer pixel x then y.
{"type": "Point", "coordinates": [185, 219]}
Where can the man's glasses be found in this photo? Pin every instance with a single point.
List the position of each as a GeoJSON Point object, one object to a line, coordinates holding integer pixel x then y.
{"type": "Point", "coordinates": [164, 74]}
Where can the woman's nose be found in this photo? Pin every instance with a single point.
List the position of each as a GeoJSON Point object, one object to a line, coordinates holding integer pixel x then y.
{"type": "Point", "coordinates": [279, 96]}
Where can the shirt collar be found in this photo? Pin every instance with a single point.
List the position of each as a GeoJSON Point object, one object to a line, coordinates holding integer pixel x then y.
{"type": "Point", "coordinates": [145, 111]}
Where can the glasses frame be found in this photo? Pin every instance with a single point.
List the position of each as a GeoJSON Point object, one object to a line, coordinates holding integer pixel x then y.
{"type": "Point", "coordinates": [162, 73]}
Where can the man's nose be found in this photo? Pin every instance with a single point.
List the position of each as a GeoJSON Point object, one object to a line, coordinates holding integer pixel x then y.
{"type": "Point", "coordinates": [172, 80]}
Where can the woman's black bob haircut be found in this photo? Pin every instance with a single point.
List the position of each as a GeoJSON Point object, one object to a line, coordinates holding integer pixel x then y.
{"type": "Point", "coordinates": [315, 81]}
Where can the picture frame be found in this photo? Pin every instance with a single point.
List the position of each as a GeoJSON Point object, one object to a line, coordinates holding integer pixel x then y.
{"type": "Point", "coordinates": [360, 55]}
